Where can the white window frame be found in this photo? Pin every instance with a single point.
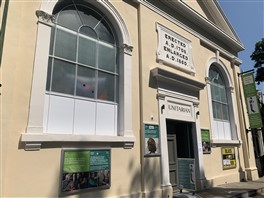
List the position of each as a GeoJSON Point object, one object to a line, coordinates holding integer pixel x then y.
{"type": "Point", "coordinates": [232, 107]}
{"type": "Point", "coordinates": [35, 136]}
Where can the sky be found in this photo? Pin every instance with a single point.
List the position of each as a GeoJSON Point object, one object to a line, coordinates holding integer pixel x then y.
{"type": "Point", "coordinates": [247, 19]}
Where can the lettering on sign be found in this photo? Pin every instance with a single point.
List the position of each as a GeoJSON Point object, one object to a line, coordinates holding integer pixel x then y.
{"type": "Point", "coordinates": [228, 151]}
{"type": "Point", "coordinates": [174, 49]}
{"type": "Point", "coordinates": [179, 108]}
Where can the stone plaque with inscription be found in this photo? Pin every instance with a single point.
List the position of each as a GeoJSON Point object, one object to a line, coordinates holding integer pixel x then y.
{"type": "Point", "coordinates": [174, 50]}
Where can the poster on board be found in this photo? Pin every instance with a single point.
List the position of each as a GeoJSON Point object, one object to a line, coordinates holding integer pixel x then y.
{"type": "Point", "coordinates": [206, 145]}
{"type": "Point", "coordinates": [84, 169]}
{"type": "Point", "coordinates": [229, 157]}
{"type": "Point", "coordinates": [186, 173]}
{"type": "Point", "coordinates": [152, 140]}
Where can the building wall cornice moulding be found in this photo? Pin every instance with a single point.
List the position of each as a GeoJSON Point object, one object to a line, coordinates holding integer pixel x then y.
{"type": "Point", "coordinates": [194, 17]}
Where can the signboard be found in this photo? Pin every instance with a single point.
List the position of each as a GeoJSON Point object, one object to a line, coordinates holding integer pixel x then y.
{"type": "Point", "coordinates": [180, 110]}
{"type": "Point", "coordinates": [84, 170]}
{"type": "Point", "coordinates": [229, 157]}
{"type": "Point", "coordinates": [206, 145]}
{"type": "Point", "coordinates": [252, 102]}
{"type": "Point", "coordinates": [174, 49]}
{"type": "Point", "coordinates": [152, 140]}
{"type": "Point", "coordinates": [186, 173]}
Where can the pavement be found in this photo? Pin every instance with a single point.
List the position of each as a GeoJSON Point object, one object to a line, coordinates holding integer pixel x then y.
{"type": "Point", "coordinates": [239, 189]}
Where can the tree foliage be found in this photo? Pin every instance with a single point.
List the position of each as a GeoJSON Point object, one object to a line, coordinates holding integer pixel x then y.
{"type": "Point", "coordinates": [258, 57]}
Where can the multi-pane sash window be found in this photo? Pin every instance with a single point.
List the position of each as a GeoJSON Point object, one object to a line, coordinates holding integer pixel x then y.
{"type": "Point", "coordinates": [83, 56]}
{"type": "Point", "coordinates": [83, 74]}
{"type": "Point", "coordinates": [221, 118]}
{"type": "Point", "coordinates": [218, 94]}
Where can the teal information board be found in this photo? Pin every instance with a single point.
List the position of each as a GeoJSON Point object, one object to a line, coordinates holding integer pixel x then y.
{"type": "Point", "coordinates": [186, 173]}
{"type": "Point", "coordinates": [85, 169]}
{"type": "Point", "coordinates": [152, 140]}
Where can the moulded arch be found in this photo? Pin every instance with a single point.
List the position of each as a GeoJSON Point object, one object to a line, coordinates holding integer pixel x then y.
{"type": "Point", "coordinates": [107, 8]}
{"type": "Point", "coordinates": [221, 66]}
{"type": "Point", "coordinates": [35, 128]}
{"type": "Point", "coordinates": [230, 98]}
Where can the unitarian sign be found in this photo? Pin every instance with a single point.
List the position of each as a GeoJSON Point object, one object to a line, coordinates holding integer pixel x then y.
{"type": "Point", "coordinates": [174, 50]}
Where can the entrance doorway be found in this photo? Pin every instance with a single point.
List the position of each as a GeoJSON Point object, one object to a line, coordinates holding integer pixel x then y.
{"type": "Point", "coordinates": [180, 145]}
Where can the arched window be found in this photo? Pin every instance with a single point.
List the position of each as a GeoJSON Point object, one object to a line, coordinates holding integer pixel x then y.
{"type": "Point", "coordinates": [218, 95]}
{"type": "Point", "coordinates": [83, 73]}
{"type": "Point", "coordinates": [81, 88]}
{"type": "Point", "coordinates": [223, 119]}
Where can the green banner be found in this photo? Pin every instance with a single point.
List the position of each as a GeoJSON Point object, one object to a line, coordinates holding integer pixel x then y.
{"type": "Point", "coordinates": [252, 101]}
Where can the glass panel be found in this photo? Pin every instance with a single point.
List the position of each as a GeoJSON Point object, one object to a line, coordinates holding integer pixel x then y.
{"type": "Point", "coordinates": [63, 77]}
{"type": "Point", "coordinates": [212, 91]}
{"type": "Point", "coordinates": [106, 86]}
{"type": "Point", "coordinates": [107, 57]}
{"type": "Point", "coordinates": [215, 76]}
{"type": "Point", "coordinates": [225, 112]}
{"type": "Point", "coordinates": [87, 51]}
{"type": "Point", "coordinates": [49, 75]}
{"type": "Point", "coordinates": [88, 16]}
{"type": "Point", "coordinates": [69, 18]}
{"type": "Point", "coordinates": [217, 96]}
{"type": "Point", "coordinates": [116, 89]}
{"type": "Point", "coordinates": [212, 74]}
{"type": "Point", "coordinates": [214, 109]}
{"type": "Point", "coordinates": [218, 109]}
{"type": "Point", "coordinates": [104, 32]}
{"type": "Point", "coordinates": [52, 40]}
{"type": "Point", "coordinates": [86, 82]}
{"type": "Point", "coordinates": [88, 32]}
{"type": "Point", "coordinates": [65, 46]}
{"type": "Point", "coordinates": [220, 80]}
{"type": "Point", "coordinates": [223, 95]}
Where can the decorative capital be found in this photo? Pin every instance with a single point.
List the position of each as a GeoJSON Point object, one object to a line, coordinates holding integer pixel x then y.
{"type": "Point", "coordinates": [196, 105]}
{"type": "Point", "coordinates": [45, 17]}
{"type": "Point", "coordinates": [231, 89]}
{"type": "Point", "coordinates": [127, 49]}
{"type": "Point", "coordinates": [207, 80]}
{"type": "Point", "coordinates": [161, 96]}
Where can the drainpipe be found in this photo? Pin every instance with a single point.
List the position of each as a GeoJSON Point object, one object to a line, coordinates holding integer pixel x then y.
{"type": "Point", "coordinates": [142, 142]}
{"type": "Point", "coordinates": [241, 116]}
{"type": "Point", "coordinates": [3, 28]}
{"type": "Point", "coordinates": [140, 74]}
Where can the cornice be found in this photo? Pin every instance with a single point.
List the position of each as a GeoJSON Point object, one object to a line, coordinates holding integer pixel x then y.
{"type": "Point", "coordinates": [162, 75]}
{"type": "Point", "coordinates": [197, 19]}
{"type": "Point", "coordinates": [193, 16]}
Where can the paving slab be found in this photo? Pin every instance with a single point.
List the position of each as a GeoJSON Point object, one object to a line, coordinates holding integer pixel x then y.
{"type": "Point", "coordinates": [238, 189]}
{"type": "Point", "coordinates": [235, 190]}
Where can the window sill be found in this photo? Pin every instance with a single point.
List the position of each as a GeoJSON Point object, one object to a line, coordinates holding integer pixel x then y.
{"type": "Point", "coordinates": [226, 142]}
{"type": "Point", "coordinates": [33, 141]}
